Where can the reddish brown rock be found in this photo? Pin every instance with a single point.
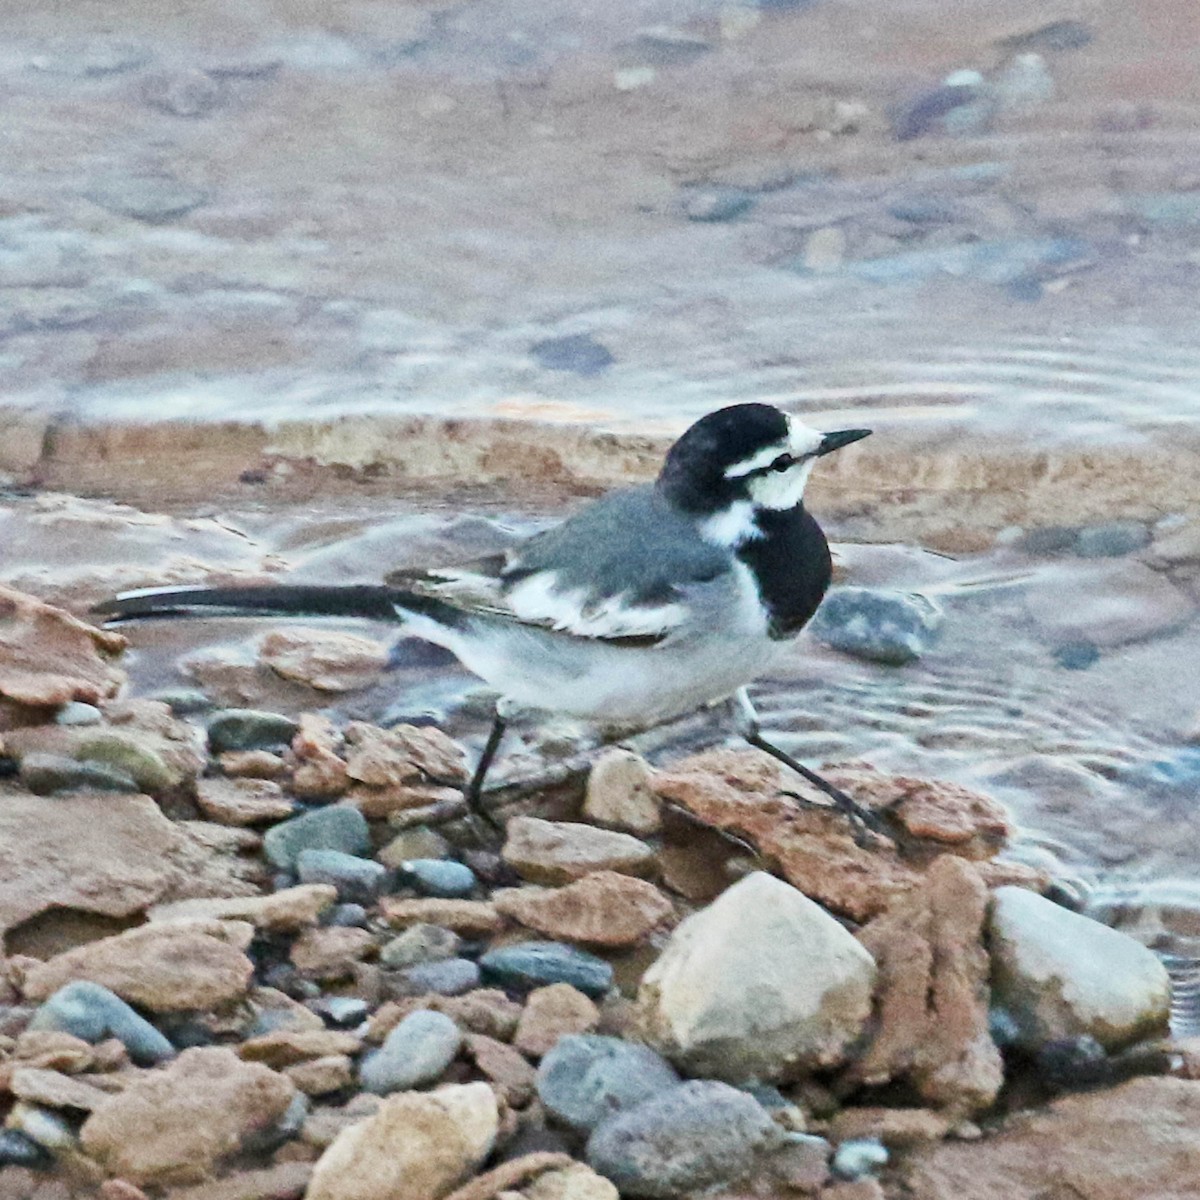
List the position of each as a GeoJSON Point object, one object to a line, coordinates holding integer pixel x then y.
{"type": "Point", "coordinates": [475, 918]}
{"type": "Point", "coordinates": [320, 772]}
{"type": "Point", "coordinates": [324, 659]}
{"type": "Point", "coordinates": [550, 1013]}
{"type": "Point", "coordinates": [554, 852]}
{"type": "Point", "coordinates": [504, 1066]}
{"type": "Point", "coordinates": [931, 999]}
{"type": "Point", "coordinates": [175, 1125]}
{"type": "Point", "coordinates": [163, 968]}
{"type": "Point", "coordinates": [405, 754]}
{"type": "Point", "coordinates": [284, 1181]}
{"type": "Point", "coordinates": [286, 1047]}
{"type": "Point", "coordinates": [742, 792]}
{"type": "Point", "coordinates": [53, 1050]}
{"type": "Point", "coordinates": [485, 1010]}
{"type": "Point", "coordinates": [320, 1076]}
{"type": "Point", "coordinates": [602, 909]}
{"type": "Point", "coordinates": [896, 1128]}
{"type": "Point", "coordinates": [1139, 1141]}
{"type": "Point", "coordinates": [619, 794]}
{"type": "Point", "coordinates": [48, 657]}
{"type": "Point", "coordinates": [242, 801]}
{"type": "Point", "coordinates": [108, 854]}
{"type": "Point", "coordinates": [52, 1089]}
{"type": "Point", "coordinates": [380, 803]}
{"type": "Point", "coordinates": [330, 953]}
{"type": "Point", "coordinates": [252, 764]}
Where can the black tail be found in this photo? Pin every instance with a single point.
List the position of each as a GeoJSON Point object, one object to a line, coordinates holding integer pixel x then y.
{"type": "Point", "coordinates": [281, 600]}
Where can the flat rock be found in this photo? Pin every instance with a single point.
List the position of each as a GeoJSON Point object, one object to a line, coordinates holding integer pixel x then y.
{"type": "Point", "coordinates": [507, 1068]}
{"type": "Point", "coordinates": [416, 1052]}
{"type": "Point", "coordinates": [574, 1182]}
{"type": "Point", "coordinates": [249, 729]}
{"type": "Point", "coordinates": [53, 1089]}
{"type": "Point", "coordinates": [286, 1047]}
{"type": "Point", "coordinates": [340, 827]}
{"type": "Point", "coordinates": [243, 801]}
{"type": "Point", "coordinates": [586, 1079]}
{"type": "Point", "coordinates": [555, 852]}
{"type": "Point", "coordinates": [160, 967]}
{"type": "Point", "coordinates": [327, 660]}
{"type": "Point", "coordinates": [472, 918]}
{"type": "Point", "coordinates": [45, 774]}
{"type": "Point", "coordinates": [682, 1141]}
{"type": "Point", "coordinates": [49, 658]}
{"type": "Point", "coordinates": [619, 795]}
{"type": "Point", "coordinates": [535, 964]}
{"type": "Point", "coordinates": [1059, 975]}
{"type": "Point", "coordinates": [416, 1147]}
{"type": "Point", "coordinates": [288, 910]}
{"type": "Point", "coordinates": [878, 624]}
{"type": "Point", "coordinates": [284, 1181]}
{"type": "Point", "coordinates": [549, 1014]}
{"type": "Point", "coordinates": [446, 977]}
{"type": "Point", "coordinates": [175, 1125]}
{"type": "Point", "coordinates": [1138, 1141]}
{"type": "Point", "coordinates": [404, 754]}
{"type": "Point", "coordinates": [357, 880]}
{"type": "Point", "coordinates": [320, 1076]}
{"type": "Point", "coordinates": [94, 1013]}
{"type": "Point", "coordinates": [762, 984]}
{"type": "Point", "coordinates": [419, 944]}
{"type": "Point", "coordinates": [330, 952]}
{"type": "Point", "coordinates": [111, 855]}
{"type": "Point", "coordinates": [601, 909]}
{"type": "Point", "coordinates": [931, 1003]}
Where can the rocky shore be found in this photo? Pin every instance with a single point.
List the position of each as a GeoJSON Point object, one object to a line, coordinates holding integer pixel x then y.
{"type": "Point", "coordinates": [251, 957]}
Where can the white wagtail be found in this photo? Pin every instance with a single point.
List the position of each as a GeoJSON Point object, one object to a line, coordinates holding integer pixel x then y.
{"type": "Point", "coordinates": [649, 603]}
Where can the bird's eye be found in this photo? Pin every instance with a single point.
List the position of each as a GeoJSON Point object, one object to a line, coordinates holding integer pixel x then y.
{"type": "Point", "coordinates": [782, 463]}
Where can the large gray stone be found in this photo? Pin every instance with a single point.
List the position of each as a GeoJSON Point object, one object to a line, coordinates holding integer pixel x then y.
{"type": "Point", "coordinates": [417, 1051]}
{"type": "Point", "coordinates": [338, 828]}
{"type": "Point", "coordinates": [762, 984]}
{"type": "Point", "coordinates": [93, 1013]}
{"type": "Point", "coordinates": [1057, 975]}
{"type": "Point", "coordinates": [878, 624]}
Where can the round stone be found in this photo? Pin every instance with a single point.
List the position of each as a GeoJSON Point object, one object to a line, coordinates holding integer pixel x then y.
{"type": "Point", "coordinates": [416, 1052]}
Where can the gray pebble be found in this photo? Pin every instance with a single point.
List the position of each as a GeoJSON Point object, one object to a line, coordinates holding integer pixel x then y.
{"type": "Point", "coordinates": [249, 729]}
{"type": "Point", "coordinates": [342, 1012]}
{"type": "Point", "coordinates": [587, 1078]}
{"type": "Point", "coordinates": [712, 205]}
{"type": "Point", "coordinates": [346, 916]}
{"type": "Point", "coordinates": [1112, 539]}
{"type": "Point", "coordinates": [265, 1141]}
{"type": "Point", "coordinates": [449, 977]}
{"type": "Point", "coordinates": [1050, 539]}
{"type": "Point", "coordinates": [417, 1051]}
{"type": "Point", "coordinates": [859, 1157]}
{"type": "Point", "coordinates": [50, 1130]}
{"type": "Point", "coordinates": [184, 702]}
{"type": "Point", "coordinates": [18, 1150]}
{"type": "Point", "coordinates": [443, 878]}
{"type": "Point", "coordinates": [577, 352]}
{"type": "Point", "coordinates": [150, 198]}
{"type": "Point", "coordinates": [693, 1137]}
{"type": "Point", "coordinates": [877, 624]}
{"type": "Point", "coordinates": [419, 944]}
{"type": "Point", "coordinates": [338, 827]}
{"type": "Point", "coordinates": [93, 1013]}
{"type": "Point", "coordinates": [89, 58]}
{"type": "Point", "coordinates": [182, 93]}
{"type": "Point", "coordinates": [45, 774]}
{"type": "Point", "coordinates": [358, 880]}
{"type": "Point", "coordinates": [77, 713]}
{"type": "Point", "coordinates": [536, 964]}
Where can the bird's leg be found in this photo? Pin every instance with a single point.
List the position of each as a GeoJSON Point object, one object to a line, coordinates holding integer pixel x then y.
{"type": "Point", "coordinates": [746, 719]}
{"type": "Point", "coordinates": [474, 794]}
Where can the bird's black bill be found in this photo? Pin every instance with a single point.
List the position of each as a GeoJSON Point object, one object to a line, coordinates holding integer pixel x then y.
{"type": "Point", "coordinates": [842, 437]}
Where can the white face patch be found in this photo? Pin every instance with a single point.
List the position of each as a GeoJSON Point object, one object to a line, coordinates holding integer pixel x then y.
{"type": "Point", "coordinates": [780, 489]}
{"type": "Point", "coordinates": [800, 442]}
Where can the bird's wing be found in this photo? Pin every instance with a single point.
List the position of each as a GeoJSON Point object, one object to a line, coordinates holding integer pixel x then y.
{"type": "Point", "coordinates": [620, 570]}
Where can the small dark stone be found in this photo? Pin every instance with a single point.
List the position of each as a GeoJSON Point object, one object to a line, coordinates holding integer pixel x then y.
{"type": "Point", "coordinates": [923, 115]}
{"type": "Point", "coordinates": [249, 729]}
{"type": "Point", "coordinates": [45, 774]}
{"type": "Point", "coordinates": [184, 702]}
{"type": "Point", "coordinates": [17, 1150]}
{"type": "Point", "coordinates": [577, 352]}
{"type": "Point", "coordinates": [1077, 1062]}
{"type": "Point", "coordinates": [348, 916]}
{"type": "Point", "coordinates": [9, 767]}
{"type": "Point", "coordinates": [491, 868]}
{"type": "Point", "coordinates": [1077, 656]}
{"type": "Point", "coordinates": [535, 964]}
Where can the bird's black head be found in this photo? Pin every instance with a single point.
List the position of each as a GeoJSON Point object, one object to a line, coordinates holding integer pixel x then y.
{"type": "Point", "coordinates": [748, 453]}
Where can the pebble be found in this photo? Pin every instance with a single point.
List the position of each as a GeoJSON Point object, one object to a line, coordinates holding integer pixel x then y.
{"type": "Point", "coordinates": [45, 774]}
{"type": "Point", "coordinates": [419, 944]}
{"type": "Point", "coordinates": [535, 964]}
{"type": "Point", "coordinates": [882, 626]}
{"type": "Point", "coordinates": [48, 1129]}
{"type": "Point", "coordinates": [713, 205]}
{"type": "Point", "coordinates": [1113, 539]}
{"type": "Point", "coordinates": [126, 754]}
{"type": "Point", "coordinates": [448, 977]}
{"type": "Point", "coordinates": [579, 353]}
{"type": "Point", "coordinates": [474, 918]}
{"type": "Point", "coordinates": [418, 842]}
{"type": "Point", "coordinates": [859, 1158]}
{"type": "Point", "coordinates": [337, 828]}
{"type": "Point", "coordinates": [182, 93]}
{"type": "Point", "coordinates": [183, 702]}
{"type": "Point", "coordinates": [249, 729]}
{"type": "Point", "coordinates": [586, 1078]}
{"type": "Point", "coordinates": [342, 1012]}
{"type": "Point", "coordinates": [75, 712]}
{"type": "Point", "coordinates": [439, 877]}
{"type": "Point", "coordinates": [347, 916]}
{"type": "Point", "coordinates": [243, 801]}
{"type": "Point", "coordinates": [358, 880]}
{"type": "Point", "coordinates": [150, 198]}
{"type": "Point", "coordinates": [416, 1052]}
{"type": "Point", "coordinates": [682, 1141]}
{"type": "Point", "coordinates": [555, 852]}
{"type": "Point", "coordinates": [19, 1150]}
{"type": "Point", "coordinates": [1077, 655]}
{"type": "Point", "coordinates": [93, 1013]}
{"type": "Point", "coordinates": [549, 1014]}
{"type": "Point", "coordinates": [619, 794]}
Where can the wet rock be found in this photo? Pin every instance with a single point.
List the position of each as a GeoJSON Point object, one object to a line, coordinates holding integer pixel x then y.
{"type": "Point", "coordinates": [435, 877]}
{"type": "Point", "coordinates": [859, 1158]}
{"type": "Point", "coordinates": [338, 828]}
{"type": "Point", "coordinates": [536, 964]}
{"type": "Point", "coordinates": [88, 58]}
{"type": "Point", "coordinates": [619, 794]}
{"type": "Point", "coordinates": [330, 953]}
{"type": "Point", "coordinates": [579, 353]}
{"type": "Point", "coordinates": [416, 1052]}
{"type": "Point", "coordinates": [284, 911]}
{"type": "Point", "coordinates": [717, 204]}
{"type": "Point", "coordinates": [471, 918]}
{"type": "Point", "coordinates": [553, 1012]}
{"type": "Point", "coordinates": [130, 755]}
{"type": "Point", "coordinates": [249, 729]}
{"type": "Point", "coordinates": [175, 1125]}
{"type": "Point", "coordinates": [555, 852]}
{"type": "Point", "coordinates": [762, 984]}
{"type": "Point", "coordinates": [416, 1147]}
{"type": "Point", "coordinates": [19, 1150]}
{"type": "Point", "coordinates": [878, 625]}
{"type": "Point", "coordinates": [78, 714]}
{"type": "Point", "coordinates": [153, 198]}
{"type": "Point", "coordinates": [357, 880]}
{"type": "Point", "coordinates": [1080, 1145]}
{"type": "Point", "coordinates": [1057, 975]}
{"type": "Point", "coordinates": [586, 1079]}
{"type": "Point", "coordinates": [682, 1141]}
{"type": "Point", "coordinates": [1113, 539]}
{"type": "Point", "coordinates": [326, 660]}
{"type": "Point", "coordinates": [45, 774]}
{"type": "Point", "coordinates": [160, 967]}
{"type": "Point", "coordinates": [931, 1003]}
{"type": "Point", "coordinates": [182, 93]}
{"type": "Point", "coordinates": [93, 1013]}
{"type": "Point", "coordinates": [243, 801]}
{"type": "Point", "coordinates": [49, 658]}
{"type": "Point", "coordinates": [418, 944]}
{"type": "Point", "coordinates": [601, 909]}
{"type": "Point", "coordinates": [447, 977]}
